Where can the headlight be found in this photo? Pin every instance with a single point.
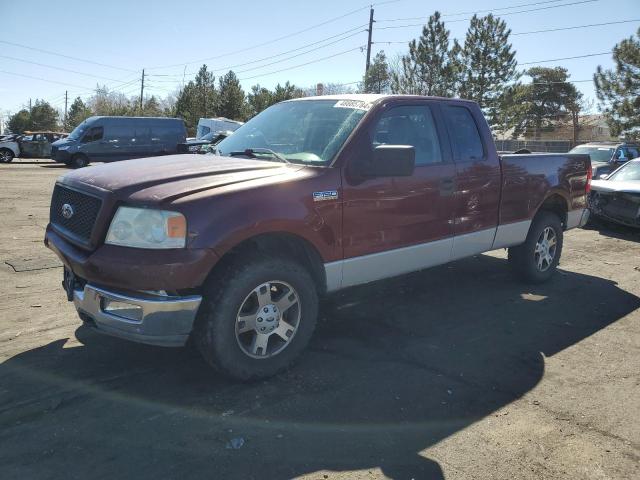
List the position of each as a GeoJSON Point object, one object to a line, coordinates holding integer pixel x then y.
{"type": "Point", "coordinates": [64, 147]}
{"type": "Point", "coordinates": [147, 228]}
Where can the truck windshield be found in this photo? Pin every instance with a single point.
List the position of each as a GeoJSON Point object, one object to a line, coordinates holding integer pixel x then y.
{"type": "Point", "coordinates": [597, 154]}
{"type": "Point", "coordinates": [302, 131]}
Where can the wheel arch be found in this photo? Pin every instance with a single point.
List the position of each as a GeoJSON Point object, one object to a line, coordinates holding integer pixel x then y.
{"type": "Point", "coordinates": [557, 204]}
{"type": "Point", "coordinates": [277, 243]}
{"type": "Point", "coordinates": [14, 151]}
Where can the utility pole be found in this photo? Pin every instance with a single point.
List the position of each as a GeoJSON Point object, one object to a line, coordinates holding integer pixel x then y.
{"type": "Point", "coordinates": [65, 108]}
{"type": "Point", "coordinates": [29, 104]}
{"type": "Point", "coordinates": [369, 41]}
{"type": "Point", "coordinates": [141, 91]}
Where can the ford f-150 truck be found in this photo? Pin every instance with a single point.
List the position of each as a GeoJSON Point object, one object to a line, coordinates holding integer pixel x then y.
{"type": "Point", "coordinates": [313, 195]}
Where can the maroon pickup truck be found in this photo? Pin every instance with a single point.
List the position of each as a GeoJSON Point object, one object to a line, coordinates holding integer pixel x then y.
{"type": "Point", "coordinates": [313, 195]}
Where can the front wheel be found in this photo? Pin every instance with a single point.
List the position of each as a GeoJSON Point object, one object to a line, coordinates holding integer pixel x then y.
{"type": "Point", "coordinates": [79, 161]}
{"type": "Point", "coordinates": [6, 155]}
{"type": "Point", "coordinates": [256, 317]}
{"type": "Point", "coordinates": [536, 260]}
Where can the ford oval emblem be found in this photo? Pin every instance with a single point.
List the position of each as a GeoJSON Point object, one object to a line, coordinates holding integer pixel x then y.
{"type": "Point", "coordinates": [67, 211]}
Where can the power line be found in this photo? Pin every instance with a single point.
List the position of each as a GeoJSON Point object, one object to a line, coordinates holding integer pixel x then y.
{"type": "Point", "coordinates": [289, 35]}
{"type": "Point", "coordinates": [577, 27]}
{"type": "Point", "coordinates": [42, 79]}
{"type": "Point", "coordinates": [566, 58]}
{"type": "Point", "coordinates": [359, 28]}
{"type": "Point", "coordinates": [474, 11]}
{"type": "Point", "coordinates": [57, 68]}
{"type": "Point", "coordinates": [502, 14]}
{"type": "Point", "coordinates": [544, 31]}
{"type": "Point", "coordinates": [65, 56]}
{"type": "Point", "coordinates": [304, 64]}
{"type": "Point", "coordinates": [263, 43]}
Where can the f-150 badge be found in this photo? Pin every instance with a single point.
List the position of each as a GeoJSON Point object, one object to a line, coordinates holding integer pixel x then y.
{"type": "Point", "coordinates": [326, 195]}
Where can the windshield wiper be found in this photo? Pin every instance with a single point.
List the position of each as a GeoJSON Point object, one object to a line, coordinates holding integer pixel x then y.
{"type": "Point", "coordinates": [251, 153]}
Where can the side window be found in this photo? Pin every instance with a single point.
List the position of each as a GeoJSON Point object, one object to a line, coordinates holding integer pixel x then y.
{"type": "Point", "coordinates": [633, 152]}
{"type": "Point", "coordinates": [93, 134]}
{"type": "Point", "coordinates": [120, 133]}
{"type": "Point", "coordinates": [464, 134]}
{"type": "Point", "coordinates": [162, 133]}
{"type": "Point", "coordinates": [410, 125]}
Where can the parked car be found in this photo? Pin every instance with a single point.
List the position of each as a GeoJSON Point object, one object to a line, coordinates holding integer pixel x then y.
{"type": "Point", "coordinates": [205, 145]}
{"type": "Point", "coordinates": [310, 196]}
{"type": "Point", "coordinates": [616, 197]}
{"type": "Point", "coordinates": [28, 145]}
{"type": "Point", "coordinates": [607, 156]}
{"type": "Point", "coordinates": [215, 125]}
{"type": "Point", "coordinates": [109, 139]}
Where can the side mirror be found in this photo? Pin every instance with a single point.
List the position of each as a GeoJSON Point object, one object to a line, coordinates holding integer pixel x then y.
{"type": "Point", "coordinates": [604, 176]}
{"type": "Point", "coordinates": [391, 161]}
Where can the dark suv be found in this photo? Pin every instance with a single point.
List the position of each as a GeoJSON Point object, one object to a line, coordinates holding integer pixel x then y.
{"type": "Point", "coordinates": [607, 156]}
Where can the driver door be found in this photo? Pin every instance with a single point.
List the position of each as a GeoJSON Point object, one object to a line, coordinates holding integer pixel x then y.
{"type": "Point", "coordinates": [395, 225]}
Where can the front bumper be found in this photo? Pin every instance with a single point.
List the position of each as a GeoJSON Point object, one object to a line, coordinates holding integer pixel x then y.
{"type": "Point", "coordinates": [159, 320]}
{"type": "Point", "coordinates": [134, 269]}
{"type": "Point", "coordinates": [60, 156]}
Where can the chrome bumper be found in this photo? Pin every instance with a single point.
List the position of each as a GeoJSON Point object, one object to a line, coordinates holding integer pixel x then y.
{"type": "Point", "coordinates": [152, 319]}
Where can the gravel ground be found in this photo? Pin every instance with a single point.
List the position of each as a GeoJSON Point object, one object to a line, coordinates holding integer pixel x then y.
{"type": "Point", "coordinates": [457, 372]}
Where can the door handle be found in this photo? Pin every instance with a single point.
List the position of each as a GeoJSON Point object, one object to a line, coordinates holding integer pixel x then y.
{"type": "Point", "coordinates": [447, 186]}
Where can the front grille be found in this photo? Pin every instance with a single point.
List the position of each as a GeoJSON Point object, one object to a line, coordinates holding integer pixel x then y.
{"type": "Point", "coordinates": [84, 210]}
{"type": "Point", "coordinates": [54, 150]}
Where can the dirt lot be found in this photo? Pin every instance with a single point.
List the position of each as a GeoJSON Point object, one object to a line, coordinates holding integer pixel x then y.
{"type": "Point", "coordinates": [458, 372]}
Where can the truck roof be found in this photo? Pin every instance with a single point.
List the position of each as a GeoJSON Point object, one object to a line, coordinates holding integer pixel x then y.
{"type": "Point", "coordinates": [369, 98]}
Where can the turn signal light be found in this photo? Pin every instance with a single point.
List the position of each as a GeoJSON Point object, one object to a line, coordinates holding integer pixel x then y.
{"type": "Point", "coordinates": [176, 227]}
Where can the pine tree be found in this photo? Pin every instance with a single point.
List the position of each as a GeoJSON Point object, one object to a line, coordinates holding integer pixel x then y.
{"type": "Point", "coordinates": [44, 116]}
{"type": "Point", "coordinates": [231, 97]}
{"type": "Point", "coordinates": [197, 99]}
{"type": "Point", "coordinates": [78, 112]}
{"type": "Point", "coordinates": [377, 78]}
{"type": "Point", "coordinates": [619, 90]}
{"type": "Point", "coordinates": [19, 121]}
{"type": "Point", "coordinates": [487, 64]}
{"type": "Point", "coordinates": [533, 108]}
{"type": "Point", "coordinates": [259, 99]}
{"type": "Point", "coordinates": [429, 68]}
{"type": "Point", "coordinates": [151, 107]}
{"type": "Point", "coordinates": [286, 92]}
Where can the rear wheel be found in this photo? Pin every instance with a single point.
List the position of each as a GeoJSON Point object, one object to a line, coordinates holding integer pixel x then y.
{"type": "Point", "coordinates": [79, 161]}
{"type": "Point", "coordinates": [536, 260]}
{"type": "Point", "coordinates": [256, 317]}
{"type": "Point", "coordinates": [6, 155]}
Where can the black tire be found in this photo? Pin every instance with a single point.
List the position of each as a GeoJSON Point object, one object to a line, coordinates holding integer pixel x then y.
{"type": "Point", "coordinates": [79, 161]}
{"type": "Point", "coordinates": [524, 259]}
{"type": "Point", "coordinates": [224, 295]}
{"type": "Point", "coordinates": [6, 155]}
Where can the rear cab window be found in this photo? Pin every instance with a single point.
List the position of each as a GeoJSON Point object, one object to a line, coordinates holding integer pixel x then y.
{"type": "Point", "coordinates": [464, 134]}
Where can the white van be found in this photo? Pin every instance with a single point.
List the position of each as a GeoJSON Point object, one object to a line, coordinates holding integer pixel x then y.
{"type": "Point", "coordinates": [215, 125]}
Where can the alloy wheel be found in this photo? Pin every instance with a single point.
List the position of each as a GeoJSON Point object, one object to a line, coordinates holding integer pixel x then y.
{"type": "Point", "coordinates": [268, 319]}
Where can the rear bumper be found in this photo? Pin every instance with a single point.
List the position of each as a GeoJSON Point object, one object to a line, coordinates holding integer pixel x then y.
{"type": "Point", "coordinates": [158, 320]}
{"type": "Point", "coordinates": [577, 218]}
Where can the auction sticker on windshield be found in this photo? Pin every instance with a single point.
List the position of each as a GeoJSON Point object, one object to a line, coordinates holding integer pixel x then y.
{"type": "Point", "coordinates": [357, 104]}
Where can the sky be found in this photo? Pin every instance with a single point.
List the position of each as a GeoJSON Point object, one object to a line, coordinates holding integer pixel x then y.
{"type": "Point", "coordinates": [326, 40]}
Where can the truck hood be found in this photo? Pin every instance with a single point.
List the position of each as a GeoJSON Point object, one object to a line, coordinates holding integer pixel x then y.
{"type": "Point", "coordinates": [613, 186]}
{"type": "Point", "coordinates": [167, 178]}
